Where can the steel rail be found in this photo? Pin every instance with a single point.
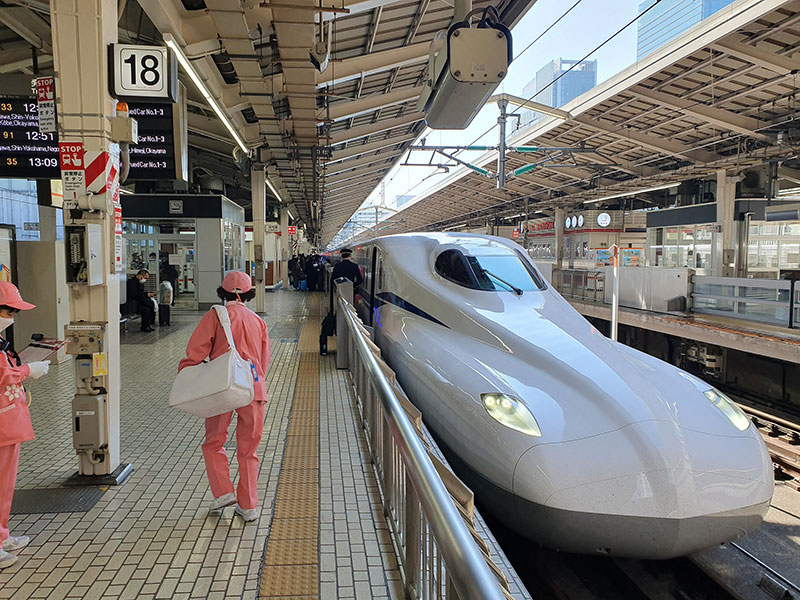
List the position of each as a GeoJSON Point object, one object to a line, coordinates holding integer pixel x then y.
{"type": "Point", "coordinates": [466, 566]}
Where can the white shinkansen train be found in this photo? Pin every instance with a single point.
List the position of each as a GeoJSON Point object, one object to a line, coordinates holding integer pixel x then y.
{"type": "Point", "coordinates": [576, 441]}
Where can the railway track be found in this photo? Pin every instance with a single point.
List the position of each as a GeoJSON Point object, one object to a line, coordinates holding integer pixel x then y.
{"type": "Point", "coordinates": [782, 438]}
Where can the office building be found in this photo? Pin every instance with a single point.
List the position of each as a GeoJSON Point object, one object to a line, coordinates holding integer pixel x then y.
{"type": "Point", "coordinates": [569, 79]}
{"type": "Point", "coordinates": [669, 19]}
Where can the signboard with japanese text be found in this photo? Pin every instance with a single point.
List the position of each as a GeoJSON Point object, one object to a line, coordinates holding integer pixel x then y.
{"type": "Point", "coordinates": [46, 100]}
{"type": "Point", "coordinates": [73, 177]}
{"type": "Point", "coordinates": [25, 152]}
{"type": "Point", "coordinates": [292, 230]}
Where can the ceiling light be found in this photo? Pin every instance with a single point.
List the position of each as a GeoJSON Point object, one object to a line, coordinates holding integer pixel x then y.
{"type": "Point", "coordinates": [633, 193]}
{"type": "Point", "coordinates": [454, 227]}
{"type": "Point", "coordinates": [291, 216]}
{"type": "Point", "coordinates": [201, 86]}
{"type": "Point", "coordinates": [272, 189]}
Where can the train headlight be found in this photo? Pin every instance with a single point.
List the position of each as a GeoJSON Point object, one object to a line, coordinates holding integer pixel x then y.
{"type": "Point", "coordinates": [729, 409]}
{"type": "Point", "coordinates": [511, 413]}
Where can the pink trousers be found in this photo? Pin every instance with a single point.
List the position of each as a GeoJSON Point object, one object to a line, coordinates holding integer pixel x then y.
{"type": "Point", "coordinates": [249, 427]}
{"type": "Point", "coordinates": [9, 461]}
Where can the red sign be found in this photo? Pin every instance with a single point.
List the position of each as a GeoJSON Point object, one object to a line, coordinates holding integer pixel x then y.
{"type": "Point", "coordinates": [45, 89]}
{"type": "Point", "coordinates": [71, 156]}
{"type": "Point", "coordinates": [292, 230]}
{"type": "Point", "coordinates": [542, 225]}
{"type": "Point", "coordinates": [515, 234]}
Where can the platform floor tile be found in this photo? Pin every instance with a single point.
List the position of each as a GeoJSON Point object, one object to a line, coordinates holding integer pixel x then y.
{"type": "Point", "coordinates": [153, 537]}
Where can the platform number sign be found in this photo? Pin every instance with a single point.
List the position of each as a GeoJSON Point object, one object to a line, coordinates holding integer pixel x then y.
{"type": "Point", "coordinates": [292, 230]}
{"type": "Point", "coordinates": [142, 72]}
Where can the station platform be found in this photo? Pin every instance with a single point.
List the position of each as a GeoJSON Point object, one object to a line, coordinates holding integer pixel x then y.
{"type": "Point", "coordinates": [747, 336]}
{"type": "Point", "coordinates": [321, 532]}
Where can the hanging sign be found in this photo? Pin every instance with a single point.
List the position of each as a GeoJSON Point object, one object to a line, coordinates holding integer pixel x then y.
{"type": "Point", "coordinates": [515, 234]}
{"type": "Point", "coordinates": [73, 178]}
{"type": "Point", "coordinates": [604, 219]}
{"type": "Point", "coordinates": [292, 230]}
{"type": "Point", "coordinates": [140, 72]}
{"type": "Point", "coordinates": [46, 99]}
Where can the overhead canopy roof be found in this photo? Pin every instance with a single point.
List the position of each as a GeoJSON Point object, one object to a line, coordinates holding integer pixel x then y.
{"type": "Point", "coordinates": [254, 58]}
{"type": "Point", "coordinates": [722, 96]}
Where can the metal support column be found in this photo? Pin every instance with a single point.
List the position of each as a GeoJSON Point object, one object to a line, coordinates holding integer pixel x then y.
{"type": "Point", "coordinates": [284, 262]}
{"type": "Point", "coordinates": [724, 251]}
{"type": "Point", "coordinates": [502, 104]}
{"type": "Point", "coordinates": [82, 32]}
{"type": "Point", "coordinates": [258, 191]}
{"type": "Point", "coordinates": [558, 225]}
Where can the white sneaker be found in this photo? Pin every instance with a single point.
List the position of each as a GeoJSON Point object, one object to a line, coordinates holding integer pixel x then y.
{"type": "Point", "coordinates": [6, 559]}
{"type": "Point", "coordinates": [223, 501]}
{"type": "Point", "coordinates": [248, 514]}
{"type": "Point", "coordinates": [12, 544]}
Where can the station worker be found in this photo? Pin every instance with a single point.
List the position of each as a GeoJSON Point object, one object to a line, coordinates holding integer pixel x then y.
{"type": "Point", "coordinates": [252, 342]}
{"type": "Point", "coordinates": [15, 418]}
{"type": "Point", "coordinates": [347, 268]}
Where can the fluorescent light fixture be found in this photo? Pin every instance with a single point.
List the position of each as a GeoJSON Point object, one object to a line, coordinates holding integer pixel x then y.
{"type": "Point", "coordinates": [273, 190]}
{"type": "Point", "coordinates": [538, 212]}
{"type": "Point", "coordinates": [291, 216]}
{"type": "Point", "coordinates": [454, 227]}
{"type": "Point", "coordinates": [201, 86]}
{"type": "Point", "coordinates": [186, 232]}
{"type": "Point", "coordinates": [633, 193]}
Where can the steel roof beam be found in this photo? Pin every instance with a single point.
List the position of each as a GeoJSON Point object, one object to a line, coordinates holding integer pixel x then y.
{"type": "Point", "coordinates": [355, 108]}
{"type": "Point", "coordinates": [763, 58]}
{"type": "Point", "coordinates": [370, 147]}
{"type": "Point", "coordinates": [652, 142]}
{"type": "Point", "coordinates": [716, 116]}
{"type": "Point", "coordinates": [346, 165]}
{"type": "Point", "coordinates": [29, 26]}
{"type": "Point", "coordinates": [343, 185]}
{"type": "Point", "coordinates": [347, 175]}
{"type": "Point", "coordinates": [369, 64]}
{"type": "Point", "coordinates": [366, 130]}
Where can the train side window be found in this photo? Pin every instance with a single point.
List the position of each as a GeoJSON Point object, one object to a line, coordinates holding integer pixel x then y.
{"type": "Point", "coordinates": [452, 265]}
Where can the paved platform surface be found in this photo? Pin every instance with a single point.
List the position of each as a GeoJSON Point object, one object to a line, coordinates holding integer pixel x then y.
{"type": "Point", "coordinates": [776, 544]}
{"type": "Point", "coordinates": [153, 537]}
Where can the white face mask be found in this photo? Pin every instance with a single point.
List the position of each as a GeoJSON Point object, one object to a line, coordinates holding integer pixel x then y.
{"type": "Point", "coordinates": [5, 323]}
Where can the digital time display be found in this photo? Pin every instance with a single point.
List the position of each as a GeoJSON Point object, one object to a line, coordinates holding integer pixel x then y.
{"type": "Point", "coordinates": [153, 158]}
{"type": "Point", "coordinates": [25, 152]}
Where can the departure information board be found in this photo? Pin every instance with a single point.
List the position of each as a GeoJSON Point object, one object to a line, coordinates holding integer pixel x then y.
{"type": "Point", "coordinates": [25, 152]}
{"type": "Point", "coordinates": [153, 158]}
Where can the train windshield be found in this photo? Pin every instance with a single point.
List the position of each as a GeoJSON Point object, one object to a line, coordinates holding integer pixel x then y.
{"type": "Point", "coordinates": [494, 272]}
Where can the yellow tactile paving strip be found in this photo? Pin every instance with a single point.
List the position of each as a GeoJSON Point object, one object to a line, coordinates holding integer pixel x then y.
{"type": "Point", "coordinates": [291, 562]}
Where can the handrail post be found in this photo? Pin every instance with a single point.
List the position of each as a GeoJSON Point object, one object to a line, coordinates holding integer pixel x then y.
{"type": "Point", "coordinates": [412, 541]}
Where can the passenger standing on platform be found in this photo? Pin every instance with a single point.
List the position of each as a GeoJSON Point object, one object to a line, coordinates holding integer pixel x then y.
{"type": "Point", "coordinates": [347, 269]}
{"type": "Point", "coordinates": [252, 342]}
{"type": "Point", "coordinates": [15, 419]}
{"type": "Point", "coordinates": [311, 273]}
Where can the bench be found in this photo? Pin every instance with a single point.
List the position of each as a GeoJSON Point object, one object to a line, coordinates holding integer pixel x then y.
{"type": "Point", "coordinates": [125, 319]}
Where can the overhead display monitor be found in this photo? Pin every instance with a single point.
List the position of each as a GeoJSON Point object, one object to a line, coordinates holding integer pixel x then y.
{"type": "Point", "coordinates": [25, 152]}
{"type": "Point", "coordinates": [153, 158]}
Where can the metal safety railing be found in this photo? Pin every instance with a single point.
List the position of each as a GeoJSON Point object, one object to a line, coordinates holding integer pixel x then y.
{"type": "Point", "coordinates": [763, 300]}
{"type": "Point", "coordinates": [440, 557]}
{"type": "Point", "coordinates": [580, 284]}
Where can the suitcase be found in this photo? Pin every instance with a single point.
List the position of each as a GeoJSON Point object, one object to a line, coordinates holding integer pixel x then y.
{"type": "Point", "coordinates": [303, 286]}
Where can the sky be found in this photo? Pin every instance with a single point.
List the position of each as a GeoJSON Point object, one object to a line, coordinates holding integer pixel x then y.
{"type": "Point", "coordinates": [584, 28]}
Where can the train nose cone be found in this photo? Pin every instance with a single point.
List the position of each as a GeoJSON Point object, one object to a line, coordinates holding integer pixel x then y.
{"type": "Point", "coordinates": [650, 490]}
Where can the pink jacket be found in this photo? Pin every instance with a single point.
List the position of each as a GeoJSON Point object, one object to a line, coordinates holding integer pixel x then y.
{"type": "Point", "coordinates": [249, 334]}
{"type": "Point", "coordinates": [15, 420]}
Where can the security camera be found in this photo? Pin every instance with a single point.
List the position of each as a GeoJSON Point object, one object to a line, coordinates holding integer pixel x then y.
{"type": "Point", "coordinates": [465, 66]}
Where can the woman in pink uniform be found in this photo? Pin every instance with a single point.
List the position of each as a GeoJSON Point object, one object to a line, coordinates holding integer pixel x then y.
{"type": "Point", "coordinates": [15, 420]}
{"type": "Point", "coordinates": [252, 343]}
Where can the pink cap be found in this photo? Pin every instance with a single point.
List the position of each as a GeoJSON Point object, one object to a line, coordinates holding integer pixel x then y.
{"type": "Point", "coordinates": [237, 282]}
{"type": "Point", "coordinates": [9, 296]}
